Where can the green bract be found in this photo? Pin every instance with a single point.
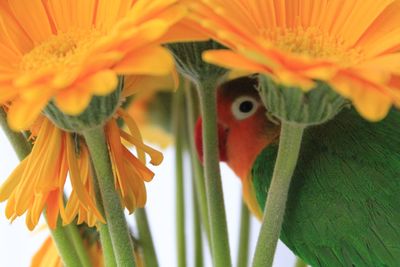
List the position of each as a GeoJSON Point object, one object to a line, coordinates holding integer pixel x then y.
{"type": "Point", "coordinates": [188, 57]}
{"type": "Point", "coordinates": [100, 109]}
{"type": "Point", "coordinates": [294, 105]}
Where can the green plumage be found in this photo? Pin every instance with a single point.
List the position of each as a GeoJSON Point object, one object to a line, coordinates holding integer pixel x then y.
{"type": "Point", "coordinates": [344, 201]}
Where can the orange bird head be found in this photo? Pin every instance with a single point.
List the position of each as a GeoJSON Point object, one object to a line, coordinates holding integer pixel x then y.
{"type": "Point", "coordinates": [243, 128]}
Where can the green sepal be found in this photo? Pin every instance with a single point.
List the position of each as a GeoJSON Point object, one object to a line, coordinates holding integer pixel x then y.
{"type": "Point", "coordinates": [189, 61]}
{"type": "Point", "coordinates": [292, 104]}
{"type": "Point", "coordinates": [99, 111]}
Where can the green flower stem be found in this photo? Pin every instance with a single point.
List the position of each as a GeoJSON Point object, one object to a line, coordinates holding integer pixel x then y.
{"type": "Point", "coordinates": [118, 228]}
{"type": "Point", "coordinates": [215, 197]}
{"type": "Point", "coordinates": [201, 193]}
{"type": "Point", "coordinates": [18, 141]}
{"type": "Point", "coordinates": [65, 247]}
{"type": "Point", "coordinates": [198, 180]}
{"type": "Point", "coordinates": [65, 243]}
{"type": "Point", "coordinates": [197, 169]}
{"type": "Point", "coordinates": [106, 244]}
{"type": "Point", "coordinates": [77, 242]}
{"type": "Point", "coordinates": [145, 238]}
{"type": "Point", "coordinates": [105, 238]}
{"type": "Point", "coordinates": [244, 237]}
{"type": "Point", "coordinates": [289, 147]}
{"type": "Point", "coordinates": [198, 242]}
{"type": "Point", "coordinates": [180, 193]}
{"type": "Point", "coordinates": [300, 263]}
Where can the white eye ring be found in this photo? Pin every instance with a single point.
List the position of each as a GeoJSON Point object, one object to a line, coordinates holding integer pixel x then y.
{"type": "Point", "coordinates": [244, 107]}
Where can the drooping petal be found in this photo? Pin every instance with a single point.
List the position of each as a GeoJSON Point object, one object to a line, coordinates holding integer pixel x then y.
{"type": "Point", "coordinates": [12, 181]}
{"type": "Point", "coordinates": [156, 156]}
{"type": "Point", "coordinates": [76, 180]}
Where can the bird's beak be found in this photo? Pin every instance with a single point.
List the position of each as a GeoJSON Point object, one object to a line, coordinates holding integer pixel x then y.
{"type": "Point", "coordinates": [222, 138]}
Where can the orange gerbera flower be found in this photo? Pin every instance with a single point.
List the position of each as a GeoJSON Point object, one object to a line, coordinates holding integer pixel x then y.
{"type": "Point", "coordinates": [351, 45]}
{"type": "Point", "coordinates": [37, 184]}
{"type": "Point", "coordinates": [70, 50]}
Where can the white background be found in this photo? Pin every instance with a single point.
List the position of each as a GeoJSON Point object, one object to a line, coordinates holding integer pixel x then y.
{"type": "Point", "coordinates": [17, 244]}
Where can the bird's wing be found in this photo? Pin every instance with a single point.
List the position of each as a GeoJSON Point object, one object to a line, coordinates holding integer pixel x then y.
{"type": "Point", "coordinates": [250, 197]}
{"type": "Point", "coordinates": [343, 208]}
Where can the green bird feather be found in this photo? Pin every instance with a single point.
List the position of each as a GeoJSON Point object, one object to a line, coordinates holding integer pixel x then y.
{"type": "Point", "coordinates": [344, 200]}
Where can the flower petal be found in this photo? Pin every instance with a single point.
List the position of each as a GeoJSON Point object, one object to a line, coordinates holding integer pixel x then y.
{"type": "Point", "coordinates": [33, 18]}
{"type": "Point", "coordinates": [101, 83]}
{"type": "Point", "coordinates": [147, 61]}
{"type": "Point", "coordinates": [229, 59]}
{"type": "Point", "coordinates": [12, 181]}
{"type": "Point", "coordinates": [73, 101]}
{"type": "Point", "coordinates": [370, 100]}
{"type": "Point", "coordinates": [23, 114]}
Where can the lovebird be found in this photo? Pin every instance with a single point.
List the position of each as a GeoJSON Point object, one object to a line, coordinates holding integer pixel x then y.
{"type": "Point", "coordinates": [344, 200]}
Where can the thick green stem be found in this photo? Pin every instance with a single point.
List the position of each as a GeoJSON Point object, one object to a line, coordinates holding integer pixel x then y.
{"type": "Point", "coordinates": [289, 147]}
{"type": "Point", "coordinates": [244, 237]}
{"type": "Point", "coordinates": [145, 238]}
{"type": "Point", "coordinates": [180, 194]}
{"type": "Point", "coordinates": [300, 263]}
{"type": "Point", "coordinates": [107, 247]}
{"type": "Point", "coordinates": [18, 141]}
{"type": "Point", "coordinates": [65, 242]}
{"type": "Point", "coordinates": [215, 197]}
{"type": "Point", "coordinates": [65, 247]}
{"type": "Point", "coordinates": [118, 228]}
{"type": "Point", "coordinates": [77, 242]}
{"type": "Point", "coordinates": [198, 177]}
{"type": "Point", "coordinates": [198, 241]}
{"type": "Point", "coordinates": [105, 238]}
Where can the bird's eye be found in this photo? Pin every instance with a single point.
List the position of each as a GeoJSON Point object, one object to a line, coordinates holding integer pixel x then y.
{"type": "Point", "coordinates": [244, 106]}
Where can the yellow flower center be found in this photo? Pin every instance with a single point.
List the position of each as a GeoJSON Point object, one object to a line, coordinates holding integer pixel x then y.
{"type": "Point", "coordinates": [313, 43]}
{"type": "Point", "coordinates": [65, 49]}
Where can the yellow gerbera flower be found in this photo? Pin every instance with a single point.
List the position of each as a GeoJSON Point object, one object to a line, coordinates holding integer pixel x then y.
{"type": "Point", "coordinates": [37, 184]}
{"type": "Point", "coordinates": [70, 50]}
{"type": "Point", "coordinates": [352, 45]}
